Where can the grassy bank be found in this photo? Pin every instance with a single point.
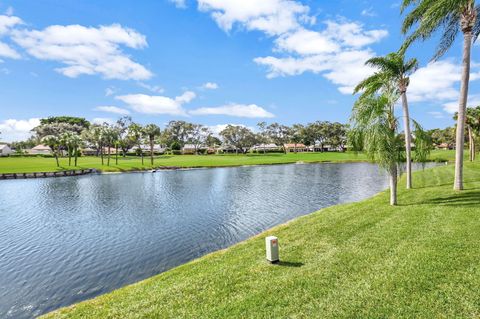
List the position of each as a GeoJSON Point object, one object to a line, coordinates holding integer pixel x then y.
{"type": "Point", "coordinates": [367, 259]}
{"type": "Point", "coordinates": [40, 164]}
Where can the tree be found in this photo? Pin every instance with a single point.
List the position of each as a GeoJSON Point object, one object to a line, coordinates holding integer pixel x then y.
{"type": "Point", "coordinates": [198, 135]}
{"type": "Point", "coordinates": [238, 136]}
{"type": "Point", "coordinates": [393, 70]}
{"type": "Point", "coordinates": [53, 142]}
{"type": "Point", "coordinates": [109, 137]}
{"type": "Point", "coordinates": [374, 130]}
{"type": "Point", "coordinates": [472, 122]}
{"type": "Point", "coordinates": [124, 141]}
{"type": "Point", "coordinates": [449, 16]}
{"type": "Point", "coordinates": [262, 136]}
{"type": "Point", "coordinates": [78, 121]}
{"type": "Point", "coordinates": [65, 140]}
{"type": "Point", "coordinates": [177, 131]}
{"type": "Point", "coordinates": [135, 134]}
{"type": "Point", "coordinates": [279, 134]}
{"type": "Point", "coordinates": [296, 136]}
{"type": "Point", "coordinates": [338, 135]}
{"type": "Point", "coordinates": [151, 131]}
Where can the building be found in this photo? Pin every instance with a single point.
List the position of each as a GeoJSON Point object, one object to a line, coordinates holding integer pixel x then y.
{"type": "Point", "coordinates": [266, 148]}
{"type": "Point", "coordinates": [5, 150]}
{"type": "Point", "coordinates": [295, 148]}
{"type": "Point", "coordinates": [190, 149]}
{"type": "Point", "coordinates": [40, 150]}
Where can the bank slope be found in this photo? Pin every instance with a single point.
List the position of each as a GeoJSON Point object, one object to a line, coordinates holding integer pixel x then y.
{"type": "Point", "coordinates": [367, 259]}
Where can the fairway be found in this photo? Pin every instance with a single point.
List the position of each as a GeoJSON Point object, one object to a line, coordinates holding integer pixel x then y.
{"type": "Point", "coordinates": [41, 164]}
{"type": "Point", "coordinates": [367, 259]}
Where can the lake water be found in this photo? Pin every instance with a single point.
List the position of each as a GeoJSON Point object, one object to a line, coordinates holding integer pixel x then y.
{"type": "Point", "coordinates": [63, 240]}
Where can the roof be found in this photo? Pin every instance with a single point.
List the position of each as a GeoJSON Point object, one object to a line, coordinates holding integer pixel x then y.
{"type": "Point", "coordinates": [40, 147]}
{"type": "Point", "coordinates": [2, 146]}
{"type": "Point", "coordinates": [293, 145]}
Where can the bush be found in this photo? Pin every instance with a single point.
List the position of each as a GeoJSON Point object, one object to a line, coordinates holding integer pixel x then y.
{"type": "Point", "coordinates": [31, 155]}
{"type": "Point", "coordinates": [176, 152]}
{"type": "Point", "coordinates": [175, 146]}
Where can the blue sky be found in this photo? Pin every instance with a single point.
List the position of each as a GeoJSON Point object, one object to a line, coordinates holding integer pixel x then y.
{"type": "Point", "coordinates": [213, 62]}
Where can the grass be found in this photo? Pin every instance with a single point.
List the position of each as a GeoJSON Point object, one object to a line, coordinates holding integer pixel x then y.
{"type": "Point", "coordinates": [40, 164]}
{"type": "Point", "coordinates": [363, 260]}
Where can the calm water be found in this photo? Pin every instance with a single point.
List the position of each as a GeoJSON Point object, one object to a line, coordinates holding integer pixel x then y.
{"type": "Point", "coordinates": [63, 240]}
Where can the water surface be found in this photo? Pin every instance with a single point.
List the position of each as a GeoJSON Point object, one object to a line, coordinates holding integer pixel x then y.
{"type": "Point", "coordinates": [63, 240]}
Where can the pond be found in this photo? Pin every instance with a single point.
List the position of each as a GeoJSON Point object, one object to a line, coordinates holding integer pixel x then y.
{"type": "Point", "coordinates": [63, 240]}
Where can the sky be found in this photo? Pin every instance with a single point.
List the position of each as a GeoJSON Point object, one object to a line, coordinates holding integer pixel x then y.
{"type": "Point", "coordinates": [213, 62]}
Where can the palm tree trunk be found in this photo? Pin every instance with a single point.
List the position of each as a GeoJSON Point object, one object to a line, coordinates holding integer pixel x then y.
{"type": "Point", "coordinates": [101, 153]}
{"type": "Point", "coordinates": [108, 157]}
{"type": "Point", "coordinates": [470, 143]}
{"type": "Point", "coordinates": [116, 154]}
{"type": "Point", "coordinates": [393, 185]}
{"type": "Point", "coordinates": [76, 155]}
{"type": "Point", "coordinates": [462, 106]}
{"type": "Point", "coordinates": [69, 156]}
{"type": "Point", "coordinates": [141, 152]}
{"type": "Point", "coordinates": [151, 151]}
{"type": "Point", "coordinates": [408, 139]}
{"type": "Point", "coordinates": [56, 157]}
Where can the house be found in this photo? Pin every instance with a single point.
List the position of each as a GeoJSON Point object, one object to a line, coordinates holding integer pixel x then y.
{"type": "Point", "coordinates": [157, 149]}
{"type": "Point", "coordinates": [295, 148]}
{"type": "Point", "coordinates": [190, 149]}
{"type": "Point", "coordinates": [5, 150]}
{"type": "Point", "coordinates": [89, 151]}
{"type": "Point", "coordinates": [265, 147]}
{"type": "Point", "coordinates": [229, 149]}
{"type": "Point", "coordinates": [445, 146]}
{"type": "Point", "coordinates": [40, 150]}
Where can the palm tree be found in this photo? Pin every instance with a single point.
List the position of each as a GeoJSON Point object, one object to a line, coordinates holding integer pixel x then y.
{"type": "Point", "coordinates": [53, 142]}
{"type": "Point", "coordinates": [449, 16]}
{"type": "Point", "coordinates": [135, 133]}
{"type": "Point", "coordinates": [374, 130]}
{"type": "Point", "coordinates": [472, 122]}
{"type": "Point", "coordinates": [151, 130]}
{"type": "Point", "coordinates": [75, 142]}
{"type": "Point", "coordinates": [393, 69]}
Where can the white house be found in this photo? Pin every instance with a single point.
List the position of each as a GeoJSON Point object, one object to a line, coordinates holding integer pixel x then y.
{"type": "Point", "coordinates": [40, 150]}
{"type": "Point", "coordinates": [266, 147]}
{"type": "Point", "coordinates": [5, 150]}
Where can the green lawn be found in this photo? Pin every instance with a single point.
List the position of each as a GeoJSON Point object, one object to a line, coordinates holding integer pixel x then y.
{"type": "Point", "coordinates": [420, 259]}
{"type": "Point", "coordinates": [40, 164]}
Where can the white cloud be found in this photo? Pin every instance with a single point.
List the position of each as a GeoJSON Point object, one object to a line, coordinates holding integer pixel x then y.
{"type": "Point", "coordinates": [110, 91]}
{"type": "Point", "coordinates": [17, 130]}
{"type": "Point", "coordinates": [273, 17]}
{"type": "Point", "coordinates": [306, 42]}
{"type": "Point", "coordinates": [102, 120]}
{"type": "Point", "coordinates": [156, 104]}
{"type": "Point", "coordinates": [345, 69]}
{"type": "Point", "coordinates": [210, 86]}
{"type": "Point", "coordinates": [112, 109]}
{"type": "Point", "coordinates": [239, 110]}
{"type": "Point", "coordinates": [435, 82]}
{"type": "Point", "coordinates": [452, 107]}
{"type": "Point", "coordinates": [368, 12]}
{"type": "Point", "coordinates": [151, 88]}
{"type": "Point", "coordinates": [7, 23]}
{"type": "Point", "coordinates": [181, 4]}
{"type": "Point", "coordinates": [86, 50]}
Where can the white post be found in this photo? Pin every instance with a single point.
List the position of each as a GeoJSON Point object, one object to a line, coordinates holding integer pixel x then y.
{"type": "Point", "coordinates": [272, 249]}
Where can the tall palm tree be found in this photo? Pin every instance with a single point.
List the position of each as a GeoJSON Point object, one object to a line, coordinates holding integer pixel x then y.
{"type": "Point", "coordinates": [53, 142]}
{"type": "Point", "coordinates": [374, 130]}
{"type": "Point", "coordinates": [450, 16]}
{"type": "Point", "coordinates": [152, 131]}
{"type": "Point", "coordinates": [472, 122]}
{"type": "Point", "coordinates": [393, 69]}
{"type": "Point", "coordinates": [135, 133]}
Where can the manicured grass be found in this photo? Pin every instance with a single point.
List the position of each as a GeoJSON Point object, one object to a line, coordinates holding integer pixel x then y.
{"type": "Point", "coordinates": [40, 164]}
{"type": "Point", "coordinates": [420, 259]}
{"type": "Point", "coordinates": [32, 164]}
